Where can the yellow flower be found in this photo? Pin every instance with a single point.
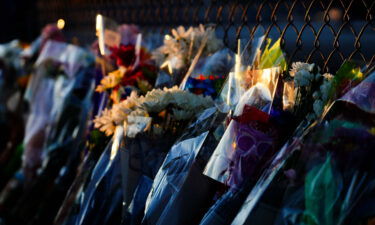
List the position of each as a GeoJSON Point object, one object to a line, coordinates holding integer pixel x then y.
{"type": "Point", "coordinates": [110, 81]}
{"type": "Point", "coordinates": [115, 96]}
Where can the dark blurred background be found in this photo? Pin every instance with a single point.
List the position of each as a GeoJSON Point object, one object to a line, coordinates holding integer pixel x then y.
{"type": "Point", "coordinates": [323, 31]}
{"type": "Point", "coordinates": [18, 19]}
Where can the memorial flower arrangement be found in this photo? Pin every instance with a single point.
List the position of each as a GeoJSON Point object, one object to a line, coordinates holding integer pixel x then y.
{"type": "Point", "coordinates": [188, 131]}
{"type": "Point", "coordinates": [182, 45]}
{"type": "Point", "coordinates": [172, 104]}
{"type": "Point", "coordinates": [181, 51]}
{"type": "Point", "coordinates": [134, 69]}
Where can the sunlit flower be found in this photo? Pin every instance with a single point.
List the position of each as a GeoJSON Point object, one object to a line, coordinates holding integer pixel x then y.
{"type": "Point", "coordinates": [184, 44]}
{"type": "Point", "coordinates": [121, 110]}
{"type": "Point", "coordinates": [137, 124]}
{"type": "Point", "coordinates": [183, 105]}
{"type": "Point", "coordinates": [181, 33]}
{"type": "Point", "coordinates": [110, 81]}
{"type": "Point", "coordinates": [299, 66]}
{"type": "Point", "coordinates": [105, 122]}
{"type": "Point", "coordinates": [328, 76]}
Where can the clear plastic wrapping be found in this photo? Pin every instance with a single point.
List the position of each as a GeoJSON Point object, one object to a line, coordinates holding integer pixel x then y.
{"type": "Point", "coordinates": [174, 195]}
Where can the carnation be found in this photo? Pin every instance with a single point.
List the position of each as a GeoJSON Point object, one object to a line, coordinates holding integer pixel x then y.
{"type": "Point", "coordinates": [303, 78]}
{"type": "Point", "coordinates": [298, 66]}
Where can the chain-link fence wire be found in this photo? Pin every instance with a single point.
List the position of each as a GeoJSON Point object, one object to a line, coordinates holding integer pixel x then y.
{"type": "Point", "coordinates": [326, 32]}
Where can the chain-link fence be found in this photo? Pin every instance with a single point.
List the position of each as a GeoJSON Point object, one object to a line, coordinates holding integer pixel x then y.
{"type": "Point", "coordinates": [323, 31]}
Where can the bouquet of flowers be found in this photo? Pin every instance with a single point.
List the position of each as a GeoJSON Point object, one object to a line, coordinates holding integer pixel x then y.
{"type": "Point", "coordinates": [16, 63]}
{"type": "Point", "coordinates": [258, 202]}
{"type": "Point", "coordinates": [150, 123]}
{"type": "Point", "coordinates": [117, 47]}
{"type": "Point", "coordinates": [59, 95]}
{"type": "Point", "coordinates": [134, 70]}
{"type": "Point", "coordinates": [255, 106]}
{"type": "Point", "coordinates": [329, 190]}
{"type": "Point", "coordinates": [174, 186]}
{"type": "Point", "coordinates": [259, 128]}
{"type": "Point", "coordinates": [182, 50]}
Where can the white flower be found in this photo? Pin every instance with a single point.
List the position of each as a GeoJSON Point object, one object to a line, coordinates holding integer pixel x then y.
{"type": "Point", "coordinates": [302, 73]}
{"type": "Point", "coordinates": [318, 107]}
{"type": "Point", "coordinates": [157, 100]}
{"type": "Point", "coordinates": [137, 124]}
{"type": "Point", "coordinates": [185, 43]}
{"type": "Point", "coordinates": [121, 110]}
{"type": "Point", "coordinates": [105, 122]}
{"type": "Point", "coordinates": [328, 76]}
{"type": "Point", "coordinates": [298, 66]}
{"type": "Point", "coordinates": [303, 78]}
{"type": "Point", "coordinates": [139, 112]}
{"type": "Point", "coordinates": [326, 87]}
{"type": "Point", "coordinates": [183, 104]}
{"type": "Point", "coordinates": [118, 115]}
{"type": "Point", "coordinates": [213, 44]}
{"type": "Point", "coordinates": [180, 32]}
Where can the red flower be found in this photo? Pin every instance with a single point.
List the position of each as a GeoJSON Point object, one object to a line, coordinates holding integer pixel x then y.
{"type": "Point", "coordinates": [125, 55]}
{"type": "Point", "coordinates": [131, 77]}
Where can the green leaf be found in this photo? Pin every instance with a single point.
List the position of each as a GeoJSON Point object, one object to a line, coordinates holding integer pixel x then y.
{"type": "Point", "coordinates": [348, 70]}
{"type": "Point", "coordinates": [346, 77]}
{"type": "Point", "coordinates": [272, 56]}
{"type": "Point", "coordinates": [322, 191]}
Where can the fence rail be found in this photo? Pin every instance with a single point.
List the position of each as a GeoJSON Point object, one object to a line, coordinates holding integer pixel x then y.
{"type": "Point", "coordinates": [323, 31]}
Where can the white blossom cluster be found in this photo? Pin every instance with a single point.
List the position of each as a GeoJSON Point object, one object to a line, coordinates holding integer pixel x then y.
{"type": "Point", "coordinates": [183, 105]}
{"type": "Point", "coordinates": [110, 118]}
{"type": "Point", "coordinates": [304, 77]}
{"type": "Point", "coordinates": [303, 74]}
{"type": "Point", "coordinates": [185, 43]}
{"type": "Point", "coordinates": [321, 96]}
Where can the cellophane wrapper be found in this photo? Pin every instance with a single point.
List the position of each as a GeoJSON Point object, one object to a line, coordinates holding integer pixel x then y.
{"type": "Point", "coordinates": [324, 177]}
{"type": "Point", "coordinates": [174, 196]}
{"type": "Point", "coordinates": [142, 157]}
{"type": "Point", "coordinates": [247, 138]}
